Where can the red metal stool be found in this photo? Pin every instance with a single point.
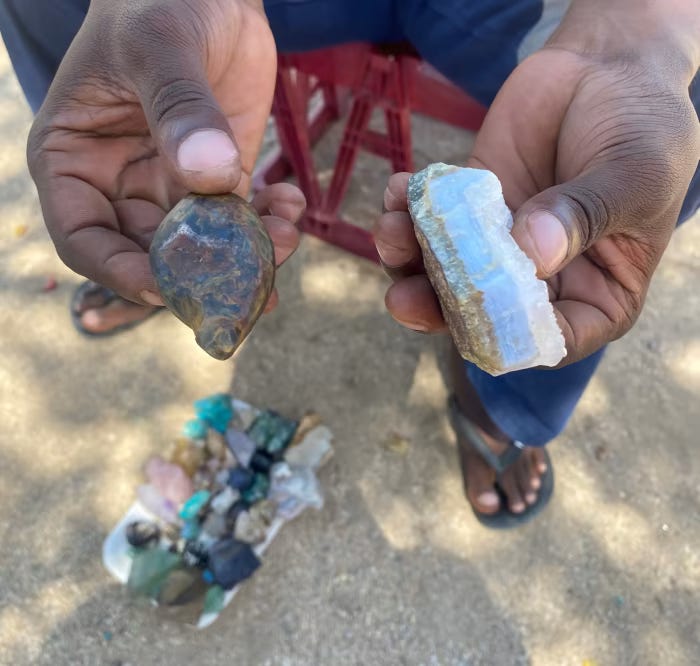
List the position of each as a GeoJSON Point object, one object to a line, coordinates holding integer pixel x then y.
{"type": "Point", "coordinates": [393, 79]}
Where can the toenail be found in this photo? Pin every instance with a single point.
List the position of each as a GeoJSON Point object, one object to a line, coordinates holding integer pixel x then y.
{"type": "Point", "coordinates": [535, 483]}
{"type": "Point", "coordinates": [518, 507]}
{"type": "Point", "coordinates": [151, 297]}
{"type": "Point", "coordinates": [530, 498]}
{"type": "Point", "coordinates": [488, 499]}
{"type": "Point", "coordinates": [542, 467]}
{"type": "Point", "coordinates": [91, 319]}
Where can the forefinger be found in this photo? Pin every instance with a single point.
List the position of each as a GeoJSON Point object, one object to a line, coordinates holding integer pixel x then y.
{"type": "Point", "coordinates": [84, 227]}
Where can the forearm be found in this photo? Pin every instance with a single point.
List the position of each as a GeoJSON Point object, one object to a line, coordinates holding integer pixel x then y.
{"type": "Point", "coordinates": [663, 33]}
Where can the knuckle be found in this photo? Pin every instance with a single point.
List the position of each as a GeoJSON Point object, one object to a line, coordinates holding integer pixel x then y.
{"type": "Point", "coordinates": [175, 97]}
{"type": "Point", "coordinates": [591, 210]}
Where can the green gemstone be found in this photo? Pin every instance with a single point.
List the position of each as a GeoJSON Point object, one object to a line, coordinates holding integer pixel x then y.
{"type": "Point", "coordinates": [258, 489]}
{"type": "Point", "coordinates": [214, 599]}
{"type": "Point", "coordinates": [272, 432]}
{"type": "Point", "coordinates": [149, 569]}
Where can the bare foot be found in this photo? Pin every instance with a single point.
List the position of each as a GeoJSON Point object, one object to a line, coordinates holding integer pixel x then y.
{"type": "Point", "coordinates": [520, 482]}
{"type": "Point", "coordinates": [102, 311]}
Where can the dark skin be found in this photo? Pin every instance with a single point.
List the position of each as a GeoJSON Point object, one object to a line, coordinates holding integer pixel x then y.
{"type": "Point", "coordinates": [594, 139]}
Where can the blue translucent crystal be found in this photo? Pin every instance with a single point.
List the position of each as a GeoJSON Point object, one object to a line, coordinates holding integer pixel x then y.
{"type": "Point", "coordinates": [190, 530]}
{"type": "Point", "coordinates": [195, 429]}
{"type": "Point", "coordinates": [216, 410]}
{"type": "Point", "coordinates": [497, 310]}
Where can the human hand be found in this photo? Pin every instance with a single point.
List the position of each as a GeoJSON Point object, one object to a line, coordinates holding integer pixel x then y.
{"type": "Point", "coordinates": [154, 98]}
{"type": "Point", "coordinates": [595, 156]}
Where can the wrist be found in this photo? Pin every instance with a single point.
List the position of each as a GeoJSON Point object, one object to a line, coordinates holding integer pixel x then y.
{"type": "Point", "coordinates": [660, 34]}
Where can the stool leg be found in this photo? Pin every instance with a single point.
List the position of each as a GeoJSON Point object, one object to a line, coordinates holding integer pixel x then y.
{"type": "Point", "coordinates": [398, 129]}
{"type": "Point", "coordinates": [347, 154]}
{"type": "Point", "coordinates": [290, 108]}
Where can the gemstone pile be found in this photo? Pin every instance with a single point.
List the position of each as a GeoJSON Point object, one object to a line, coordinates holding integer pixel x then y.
{"type": "Point", "coordinates": [211, 506]}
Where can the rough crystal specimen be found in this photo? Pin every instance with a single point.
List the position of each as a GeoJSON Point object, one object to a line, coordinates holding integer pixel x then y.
{"type": "Point", "coordinates": [232, 562]}
{"type": "Point", "coordinates": [214, 525]}
{"type": "Point", "coordinates": [249, 530]}
{"type": "Point", "coordinates": [216, 410]}
{"type": "Point", "coordinates": [312, 451]}
{"type": "Point", "coordinates": [240, 478]}
{"type": "Point", "coordinates": [225, 499]}
{"type": "Point", "coordinates": [170, 480]}
{"type": "Point", "coordinates": [257, 490]}
{"type": "Point", "coordinates": [242, 446]}
{"type": "Point", "coordinates": [156, 503]}
{"type": "Point", "coordinates": [293, 489]}
{"type": "Point", "coordinates": [181, 586]}
{"type": "Point", "coordinates": [214, 264]}
{"type": "Point", "coordinates": [272, 432]}
{"type": "Point", "coordinates": [149, 570]}
{"type": "Point", "coordinates": [187, 455]}
{"type": "Point", "coordinates": [497, 310]}
{"type": "Point", "coordinates": [214, 599]}
{"type": "Point", "coordinates": [194, 505]}
{"type": "Point", "coordinates": [195, 429]}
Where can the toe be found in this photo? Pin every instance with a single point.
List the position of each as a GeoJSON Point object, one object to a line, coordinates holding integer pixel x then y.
{"type": "Point", "coordinates": [538, 460]}
{"type": "Point", "coordinates": [535, 481]}
{"type": "Point", "coordinates": [117, 313]}
{"type": "Point", "coordinates": [510, 485]}
{"type": "Point", "coordinates": [524, 477]}
{"type": "Point", "coordinates": [479, 479]}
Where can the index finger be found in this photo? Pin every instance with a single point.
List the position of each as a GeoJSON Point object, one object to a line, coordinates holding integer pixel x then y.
{"type": "Point", "coordinates": [85, 229]}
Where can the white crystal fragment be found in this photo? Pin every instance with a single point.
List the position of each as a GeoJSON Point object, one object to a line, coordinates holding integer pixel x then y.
{"type": "Point", "coordinates": [497, 310]}
{"type": "Point", "coordinates": [313, 451]}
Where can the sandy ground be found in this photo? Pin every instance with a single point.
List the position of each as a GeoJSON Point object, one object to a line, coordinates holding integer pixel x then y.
{"type": "Point", "coordinates": [395, 570]}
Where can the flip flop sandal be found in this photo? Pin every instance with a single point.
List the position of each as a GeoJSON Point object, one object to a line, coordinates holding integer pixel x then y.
{"type": "Point", "coordinates": [89, 288]}
{"type": "Point", "coordinates": [504, 518]}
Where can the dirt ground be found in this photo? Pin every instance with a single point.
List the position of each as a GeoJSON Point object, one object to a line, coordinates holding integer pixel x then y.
{"type": "Point", "coordinates": [395, 570]}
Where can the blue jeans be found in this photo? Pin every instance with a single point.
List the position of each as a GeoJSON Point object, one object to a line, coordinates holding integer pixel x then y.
{"type": "Point", "coordinates": [474, 43]}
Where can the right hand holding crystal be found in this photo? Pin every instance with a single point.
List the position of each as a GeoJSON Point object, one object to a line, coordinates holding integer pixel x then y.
{"type": "Point", "coordinates": [594, 159]}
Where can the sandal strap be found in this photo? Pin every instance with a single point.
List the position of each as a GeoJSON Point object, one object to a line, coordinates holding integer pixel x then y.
{"type": "Point", "coordinates": [461, 424]}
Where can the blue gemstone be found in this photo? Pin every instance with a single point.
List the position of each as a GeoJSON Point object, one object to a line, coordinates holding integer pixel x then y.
{"type": "Point", "coordinates": [194, 504]}
{"type": "Point", "coordinates": [232, 562]}
{"type": "Point", "coordinates": [195, 429]}
{"type": "Point", "coordinates": [216, 410]}
{"type": "Point", "coordinates": [240, 478]}
{"type": "Point", "coordinates": [190, 530]}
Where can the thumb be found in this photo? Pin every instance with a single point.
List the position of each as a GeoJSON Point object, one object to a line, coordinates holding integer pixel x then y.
{"type": "Point", "coordinates": [556, 225]}
{"type": "Point", "coordinates": [185, 120]}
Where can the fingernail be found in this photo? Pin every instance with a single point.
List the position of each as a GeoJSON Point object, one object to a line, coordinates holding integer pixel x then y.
{"type": "Point", "coordinates": [206, 149]}
{"type": "Point", "coordinates": [548, 240]}
{"type": "Point", "coordinates": [151, 297]}
{"type": "Point", "coordinates": [415, 326]}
